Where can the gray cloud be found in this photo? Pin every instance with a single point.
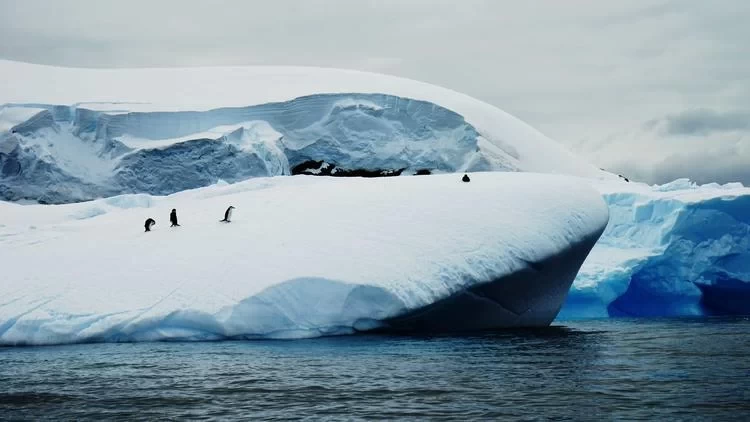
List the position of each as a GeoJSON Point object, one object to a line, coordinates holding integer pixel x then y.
{"type": "Point", "coordinates": [585, 72]}
{"type": "Point", "coordinates": [702, 122]}
{"type": "Point", "coordinates": [725, 166]}
{"type": "Point", "coordinates": [654, 156]}
{"type": "Point", "coordinates": [722, 167]}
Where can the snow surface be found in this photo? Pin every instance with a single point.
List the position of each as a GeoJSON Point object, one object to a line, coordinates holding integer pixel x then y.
{"type": "Point", "coordinates": [668, 250]}
{"type": "Point", "coordinates": [304, 255]}
{"type": "Point", "coordinates": [351, 119]}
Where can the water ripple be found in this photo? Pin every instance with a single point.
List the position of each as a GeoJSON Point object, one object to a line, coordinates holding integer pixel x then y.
{"type": "Point", "coordinates": [606, 369]}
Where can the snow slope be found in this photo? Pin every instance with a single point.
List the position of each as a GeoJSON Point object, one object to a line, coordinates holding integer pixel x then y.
{"type": "Point", "coordinates": [97, 132]}
{"type": "Point", "coordinates": [304, 256]}
{"type": "Point", "coordinates": [673, 250]}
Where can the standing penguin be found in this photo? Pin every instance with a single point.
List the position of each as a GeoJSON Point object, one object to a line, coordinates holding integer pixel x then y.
{"type": "Point", "coordinates": [465, 178]}
{"type": "Point", "coordinates": [173, 218]}
{"type": "Point", "coordinates": [228, 215]}
{"type": "Point", "coordinates": [149, 223]}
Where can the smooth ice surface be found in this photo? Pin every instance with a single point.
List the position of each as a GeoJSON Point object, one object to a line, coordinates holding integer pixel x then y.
{"type": "Point", "coordinates": [304, 255]}
{"type": "Point", "coordinates": [671, 250]}
{"type": "Point", "coordinates": [71, 134]}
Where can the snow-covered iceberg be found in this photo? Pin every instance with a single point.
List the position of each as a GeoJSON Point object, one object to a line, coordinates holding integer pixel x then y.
{"type": "Point", "coordinates": [68, 135]}
{"type": "Point", "coordinates": [673, 250]}
{"type": "Point", "coordinates": [304, 256]}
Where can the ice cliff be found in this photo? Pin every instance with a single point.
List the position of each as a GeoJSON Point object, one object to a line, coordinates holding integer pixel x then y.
{"type": "Point", "coordinates": [68, 135]}
{"type": "Point", "coordinates": [673, 250]}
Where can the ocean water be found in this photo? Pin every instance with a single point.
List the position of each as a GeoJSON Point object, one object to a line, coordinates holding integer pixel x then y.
{"type": "Point", "coordinates": [669, 369]}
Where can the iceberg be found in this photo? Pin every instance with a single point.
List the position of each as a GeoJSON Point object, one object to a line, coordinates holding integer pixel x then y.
{"type": "Point", "coordinates": [69, 135]}
{"type": "Point", "coordinates": [304, 256]}
{"type": "Point", "coordinates": [673, 250]}
{"type": "Point", "coordinates": [138, 136]}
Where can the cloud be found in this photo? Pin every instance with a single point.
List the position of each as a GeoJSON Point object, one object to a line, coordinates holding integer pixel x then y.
{"type": "Point", "coordinates": [587, 73]}
{"type": "Point", "coordinates": [703, 145]}
{"type": "Point", "coordinates": [725, 165]}
{"type": "Point", "coordinates": [701, 122]}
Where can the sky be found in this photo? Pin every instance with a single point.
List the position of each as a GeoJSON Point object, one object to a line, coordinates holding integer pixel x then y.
{"type": "Point", "coordinates": [651, 89]}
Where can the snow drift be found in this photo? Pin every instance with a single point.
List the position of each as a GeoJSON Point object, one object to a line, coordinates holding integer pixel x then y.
{"type": "Point", "coordinates": [304, 256]}
{"type": "Point", "coordinates": [68, 135]}
{"type": "Point", "coordinates": [672, 250]}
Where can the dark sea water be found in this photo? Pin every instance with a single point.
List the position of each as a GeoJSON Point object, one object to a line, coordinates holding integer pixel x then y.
{"type": "Point", "coordinates": [676, 369]}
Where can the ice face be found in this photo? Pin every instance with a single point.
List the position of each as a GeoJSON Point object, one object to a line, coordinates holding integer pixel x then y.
{"type": "Point", "coordinates": [187, 128]}
{"type": "Point", "coordinates": [672, 250]}
{"type": "Point", "coordinates": [303, 256]}
{"type": "Point", "coordinates": [97, 154]}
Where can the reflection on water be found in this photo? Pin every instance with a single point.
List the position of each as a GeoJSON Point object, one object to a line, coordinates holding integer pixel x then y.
{"type": "Point", "coordinates": [583, 370]}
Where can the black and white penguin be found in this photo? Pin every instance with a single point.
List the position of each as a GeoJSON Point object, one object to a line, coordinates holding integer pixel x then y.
{"type": "Point", "coordinates": [465, 178]}
{"type": "Point", "coordinates": [149, 223]}
{"type": "Point", "coordinates": [173, 218]}
{"type": "Point", "coordinates": [228, 215]}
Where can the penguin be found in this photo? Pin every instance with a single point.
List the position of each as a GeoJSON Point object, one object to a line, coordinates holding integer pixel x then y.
{"type": "Point", "coordinates": [228, 215]}
{"type": "Point", "coordinates": [465, 178]}
{"type": "Point", "coordinates": [173, 218]}
{"type": "Point", "coordinates": [149, 223]}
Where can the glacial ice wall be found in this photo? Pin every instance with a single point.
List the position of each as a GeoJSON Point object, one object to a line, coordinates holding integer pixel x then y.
{"type": "Point", "coordinates": [70, 134]}
{"type": "Point", "coordinates": [66, 154]}
{"type": "Point", "coordinates": [674, 250]}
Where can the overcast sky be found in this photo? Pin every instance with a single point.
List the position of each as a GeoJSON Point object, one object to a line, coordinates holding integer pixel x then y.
{"type": "Point", "coordinates": [653, 89]}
